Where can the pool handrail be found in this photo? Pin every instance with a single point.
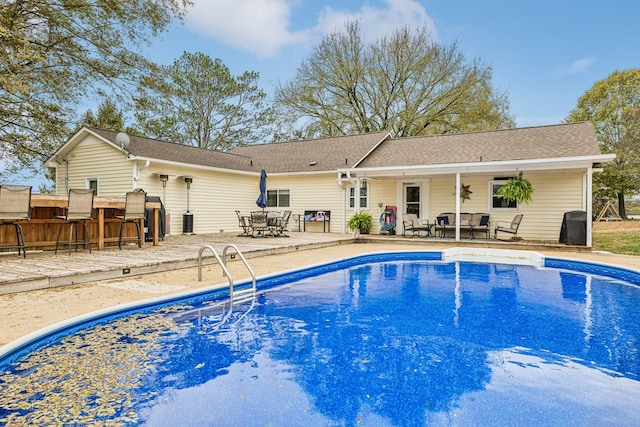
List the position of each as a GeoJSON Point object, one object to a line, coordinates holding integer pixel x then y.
{"type": "Point", "coordinates": [235, 296]}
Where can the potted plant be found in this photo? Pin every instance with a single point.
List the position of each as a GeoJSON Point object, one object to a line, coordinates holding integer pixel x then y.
{"type": "Point", "coordinates": [361, 223]}
{"type": "Point", "coordinates": [518, 189]}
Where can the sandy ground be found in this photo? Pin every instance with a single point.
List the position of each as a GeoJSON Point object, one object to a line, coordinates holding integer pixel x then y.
{"type": "Point", "coordinates": [27, 312]}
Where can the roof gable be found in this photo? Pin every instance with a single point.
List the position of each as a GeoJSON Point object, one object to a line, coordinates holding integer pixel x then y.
{"type": "Point", "coordinates": [155, 149]}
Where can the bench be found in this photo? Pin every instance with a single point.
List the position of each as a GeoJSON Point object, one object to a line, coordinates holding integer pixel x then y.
{"type": "Point", "coordinates": [470, 222]}
{"type": "Point", "coordinates": [317, 216]}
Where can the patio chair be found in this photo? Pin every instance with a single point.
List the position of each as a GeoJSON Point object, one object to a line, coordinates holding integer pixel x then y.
{"type": "Point", "coordinates": [508, 227]}
{"type": "Point", "coordinates": [259, 223]}
{"type": "Point", "coordinates": [480, 223]}
{"type": "Point", "coordinates": [134, 212]}
{"type": "Point", "coordinates": [466, 223]}
{"type": "Point", "coordinates": [411, 222]}
{"type": "Point", "coordinates": [15, 206]}
{"type": "Point", "coordinates": [446, 222]}
{"type": "Point", "coordinates": [245, 224]}
{"type": "Point", "coordinates": [280, 224]}
{"type": "Point", "coordinates": [79, 211]}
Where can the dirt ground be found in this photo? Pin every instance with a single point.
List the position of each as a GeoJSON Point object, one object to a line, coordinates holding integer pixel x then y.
{"type": "Point", "coordinates": [615, 226]}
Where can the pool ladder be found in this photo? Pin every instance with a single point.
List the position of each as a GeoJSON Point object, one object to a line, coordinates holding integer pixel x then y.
{"type": "Point", "coordinates": [235, 296]}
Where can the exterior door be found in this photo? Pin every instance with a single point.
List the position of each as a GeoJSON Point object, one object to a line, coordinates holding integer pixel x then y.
{"type": "Point", "coordinates": [412, 199]}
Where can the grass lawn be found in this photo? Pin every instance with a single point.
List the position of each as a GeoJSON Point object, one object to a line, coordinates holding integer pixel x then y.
{"type": "Point", "coordinates": [619, 237]}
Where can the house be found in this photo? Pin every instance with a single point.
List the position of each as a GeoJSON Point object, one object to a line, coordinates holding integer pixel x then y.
{"type": "Point", "coordinates": [342, 175]}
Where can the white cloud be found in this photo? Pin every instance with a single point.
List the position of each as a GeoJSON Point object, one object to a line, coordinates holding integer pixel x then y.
{"type": "Point", "coordinates": [376, 22]}
{"type": "Point", "coordinates": [263, 26]}
{"type": "Point", "coordinates": [257, 26]}
{"type": "Point", "coordinates": [577, 67]}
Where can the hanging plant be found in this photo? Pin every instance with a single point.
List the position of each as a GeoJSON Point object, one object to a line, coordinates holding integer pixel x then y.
{"type": "Point", "coordinates": [518, 189]}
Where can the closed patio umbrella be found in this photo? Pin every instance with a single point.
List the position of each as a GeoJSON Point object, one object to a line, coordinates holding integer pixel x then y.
{"type": "Point", "coordinates": [262, 198]}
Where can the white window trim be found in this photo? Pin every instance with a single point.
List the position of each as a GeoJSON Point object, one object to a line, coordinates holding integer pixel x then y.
{"type": "Point", "coordinates": [278, 190]}
{"type": "Point", "coordinates": [87, 183]}
{"type": "Point", "coordinates": [491, 207]}
{"type": "Point", "coordinates": [356, 193]}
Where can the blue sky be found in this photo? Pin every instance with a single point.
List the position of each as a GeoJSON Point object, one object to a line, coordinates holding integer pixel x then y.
{"type": "Point", "coordinates": [545, 54]}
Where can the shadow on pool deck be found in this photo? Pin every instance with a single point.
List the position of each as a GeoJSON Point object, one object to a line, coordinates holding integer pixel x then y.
{"type": "Point", "coordinates": [42, 270]}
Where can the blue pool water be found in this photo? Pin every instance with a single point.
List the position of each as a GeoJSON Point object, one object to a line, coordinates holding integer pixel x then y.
{"type": "Point", "coordinates": [389, 340]}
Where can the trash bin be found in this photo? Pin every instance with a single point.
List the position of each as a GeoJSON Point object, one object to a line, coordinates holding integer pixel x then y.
{"type": "Point", "coordinates": [187, 223]}
{"type": "Point", "coordinates": [574, 228]}
{"type": "Point", "coordinates": [148, 220]}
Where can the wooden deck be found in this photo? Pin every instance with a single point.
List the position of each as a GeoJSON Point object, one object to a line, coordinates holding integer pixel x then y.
{"type": "Point", "coordinates": [44, 269]}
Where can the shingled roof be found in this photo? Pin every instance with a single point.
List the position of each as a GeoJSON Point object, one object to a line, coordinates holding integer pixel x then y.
{"type": "Point", "coordinates": [543, 142]}
{"type": "Point", "coordinates": [326, 154]}
{"type": "Point", "coordinates": [161, 150]}
{"type": "Point", "coordinates": [379, 150]}
{"type": "Point", "coordinates": [323, 154]}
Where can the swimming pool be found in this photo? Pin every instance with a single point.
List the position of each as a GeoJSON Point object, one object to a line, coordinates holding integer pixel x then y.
{"type": "Point", "coordinates": [406, 338]}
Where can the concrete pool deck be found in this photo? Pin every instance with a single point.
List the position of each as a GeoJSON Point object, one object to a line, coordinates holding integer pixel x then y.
{"type": "Point", "coordinates": [71, 285]}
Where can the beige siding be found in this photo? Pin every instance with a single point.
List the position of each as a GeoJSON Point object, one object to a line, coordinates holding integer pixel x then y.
{"type": "Point", "coordinates": [214, 195]}
{"type": "Point", "coordinates": [382, 193]}
{"type": "Point", "coordinates": [95, 159]}
{"type": "Point", "coordinates": [311, 192]}
{"type": "Point", "coordinates": [553, 195]}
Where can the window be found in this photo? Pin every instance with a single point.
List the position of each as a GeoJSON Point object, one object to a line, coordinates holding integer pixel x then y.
{"type": "Point", "coordinates": [412, 199]}
{"type": "Point", "coordinates": [92, 183]}
{"type": "Point", "coordinates": [278, 198]}
{"type": "Point", "coordinates": [498, 202]}
{"type": "Point", "coordinates": [364, 196]}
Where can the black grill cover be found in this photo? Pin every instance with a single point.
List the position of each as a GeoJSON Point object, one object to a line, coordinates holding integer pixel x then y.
{"type": "Point", "coordinates": [574, 228]}
{"type": "Point", "coordinates": [148, 220]}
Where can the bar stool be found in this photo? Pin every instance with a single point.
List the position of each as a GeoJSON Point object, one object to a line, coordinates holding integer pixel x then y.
{"type": "Point", "coordinates": [134, 212]}
{"type": "Point", "coordinates": [15, 206]}
{"type": "Point", "coordinates": [79, 211]}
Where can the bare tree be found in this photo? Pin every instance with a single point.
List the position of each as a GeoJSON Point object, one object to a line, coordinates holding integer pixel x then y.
{"type": "Point", "coordinates": [404, 83]}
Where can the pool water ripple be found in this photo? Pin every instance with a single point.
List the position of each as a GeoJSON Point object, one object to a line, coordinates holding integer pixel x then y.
{"type": "Point", "coordinates": [402, 342]}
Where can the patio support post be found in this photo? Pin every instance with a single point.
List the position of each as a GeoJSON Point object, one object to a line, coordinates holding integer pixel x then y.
{"type": "Point", "coordinates": [356, 196]}
{"type": "Point", "coordinates": [457, 206]}
{"type": "Point", "coordinates": [589, 208]}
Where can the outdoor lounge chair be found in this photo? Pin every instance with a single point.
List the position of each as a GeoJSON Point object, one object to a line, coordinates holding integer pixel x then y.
{"type": "Point", "coordinates": [15, 206]}
{"type": "Point", "coordinates": [411, 222]}
{"type": "Point", "coordinates": [506, 227]}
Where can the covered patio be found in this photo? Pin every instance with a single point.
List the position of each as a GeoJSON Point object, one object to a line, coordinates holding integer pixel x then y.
{"type": "Point", "coordinates": [460, 174]}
